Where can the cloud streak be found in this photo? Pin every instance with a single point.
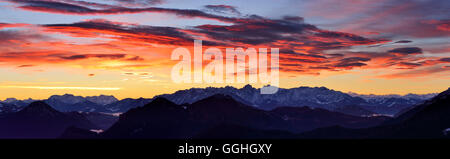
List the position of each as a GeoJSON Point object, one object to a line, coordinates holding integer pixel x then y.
{"type": "Point", "coordinates": [304, 48]}
{"type": "Point", "coordinates": [64, 88]}
{"type": "Point", "coordinates": [62, 7]}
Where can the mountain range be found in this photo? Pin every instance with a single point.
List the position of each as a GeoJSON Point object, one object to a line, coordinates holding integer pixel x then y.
{"type": "Point", "coordinates": [39, 120]}
{"type": "Point", "coordinates": [428, 120]}
{"type": "Point", "coordinates": [313, 97]}
{"type": "Point", "coordinates": [162, 118]}
{"type": "Point", "coordinates": [223, 116]}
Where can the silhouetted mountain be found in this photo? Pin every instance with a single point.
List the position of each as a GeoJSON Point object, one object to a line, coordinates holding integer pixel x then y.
{"type": "Point", "coordinates": [102, 99]}
{"type": "Point", "coordinates": [314, 97]}
{"type": "Point", "coordinates": [221, 109]}
{"type": "Point", "coordinates": [318, 117]}
{"type": "Point", "coordinates": [20, 103]}
{"type": "Point", "coordinates": [158, 119]}
{"type": "Point", "coordinates": [39, 120]}
{"type": "Point", "coordinates": [164, 119]}
{"type": "Point", "coordinates": [393, 104]}
{"type": "Point", "coordinates": [39, 109]}
{"type": "Point", "coordinates": [428, 120]}
{"type": "Point", "coordinates": [102, 120]}
{"type": "Point", "coordinates": [6, 108]}
{"type": "Point", "coordinates": [12, 105]}
{"type": "Point", "coordinates": [71, 99]}
{"type": "Point", "coordinates": [68, 102]}
{"type": "Point", "coordinates": [225, 116]}
{"type": "Point", "coordinates": [102, 103]}
{"type": "Point", "coordinates": [126, 104]}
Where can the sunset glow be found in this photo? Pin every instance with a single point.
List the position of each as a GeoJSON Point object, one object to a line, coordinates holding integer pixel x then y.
{"type": "Point", "coordinates": [123, 48]}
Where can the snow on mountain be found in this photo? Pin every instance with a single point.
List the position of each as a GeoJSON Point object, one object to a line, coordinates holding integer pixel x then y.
{"type": "Point", "coordinates": [20, 103]}
{"type": "Point", "coordinates": [305, 96]}
{"type": "Point", "coordinates": [10, 100]}
{"type": "Point", "coordinates": [102, 99]}
{"type": "Point", "coordinates": [394, 99]}
{"type": "Point", "coordinates": [314, 97]}
{"type": "Point", "coordinates": [69, 102]}
{"type": "Point", "coordinates": [13, 105]}
{"type": "Point", "coordinates": [67, 99]}
{"type": "Point", "coordinates": [6, 108]}
{"type": "Point", "coordinates": [407, 96]}
{"type": "Point", "coordinates": [71, 99]}
{"type": "Point", "coordinates": [126, 104]}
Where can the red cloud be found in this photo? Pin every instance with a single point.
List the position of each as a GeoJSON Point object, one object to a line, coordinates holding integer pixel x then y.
{"type": "Point", "coordinates": [14, 25]}
{"type": "Point", "coordinates": [423, 72]}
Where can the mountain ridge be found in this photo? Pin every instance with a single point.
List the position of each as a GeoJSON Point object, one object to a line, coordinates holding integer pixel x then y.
{"type": "Point", "coordinates": [39, 120]}
{"type": "Point", "coordinates": [162, 118]}
{"type": "Point", "coordinates": [427, 120]}
{"type": "Point", "coordinates": [314, 97]}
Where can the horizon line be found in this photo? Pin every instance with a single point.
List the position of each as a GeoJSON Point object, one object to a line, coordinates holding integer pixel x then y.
{"type": "Point", "coordinates": [114, 89]}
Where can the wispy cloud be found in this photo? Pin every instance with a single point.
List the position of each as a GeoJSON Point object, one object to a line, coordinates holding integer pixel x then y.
{"type": "Point", "coordinates": [64, 88]}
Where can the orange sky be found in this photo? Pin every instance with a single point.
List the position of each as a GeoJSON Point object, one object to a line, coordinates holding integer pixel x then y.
{"type": "Point", "coordinates": [100, 48]}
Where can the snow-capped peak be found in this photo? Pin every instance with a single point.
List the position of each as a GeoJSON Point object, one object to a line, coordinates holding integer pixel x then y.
{"type": "Point", "coordinates": [72, 99]}
{"type": "Point", "coordinates": [102, 99]}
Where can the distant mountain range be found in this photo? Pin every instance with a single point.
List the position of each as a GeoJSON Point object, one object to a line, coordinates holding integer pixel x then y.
{"type": "Point", "coordinates": [226, 116]}
{"type": "Point", "coordinates": [164, 119]}
{"type": "Point", "coordinates": [313, 97]}
{"type": "Point", "coordinates": [221, 116]}
{"type": "Point", "coordinates": [39, 120]}
{"type": "Point", "coordinates": [70, 102]}
{"type": "Point", "coordinates": [428, 120]}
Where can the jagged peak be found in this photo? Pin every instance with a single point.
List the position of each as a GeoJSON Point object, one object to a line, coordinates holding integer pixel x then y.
{"type": "Point", "coordinates": [159, 103]}
{"type": "Point", "coordinates": [39, 107]}
{"type": "Point", "coordinates": [443, 95]}
{"type": "Point", "coordinates": [161, 100]}
{"type": "Point", "coordinates": [72, 95]}
{"type": "Point", "coordinates": [38, 104]}
{"type": "Point", "coordinates": [68, 95]}
{"type": "Point", "coordinates": [248, 86]}
{"type": "Point", "coordinates": [219, 97]}
{"type": "Point", "coordinates": [64, 95]}
{"type": "Point", "coordinates": [10, 100]}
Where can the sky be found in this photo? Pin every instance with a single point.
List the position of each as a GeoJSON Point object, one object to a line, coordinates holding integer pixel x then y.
{"type": "Point", "coordinates": [123, 47]}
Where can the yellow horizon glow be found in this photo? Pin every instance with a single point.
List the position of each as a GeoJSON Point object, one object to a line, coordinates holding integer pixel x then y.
{"type": "Point", "coordinates": [63, 88]}
{"type": "Point", "coordinates": [148, 83]}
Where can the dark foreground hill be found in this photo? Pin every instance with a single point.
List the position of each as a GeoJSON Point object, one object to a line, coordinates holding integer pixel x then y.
{"type": "Point", "coordinates": [428, 120]}
{"type": "Point", "coordinates": [164, 119]}
{"type": "Point", "coordinates": [39, 120]}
